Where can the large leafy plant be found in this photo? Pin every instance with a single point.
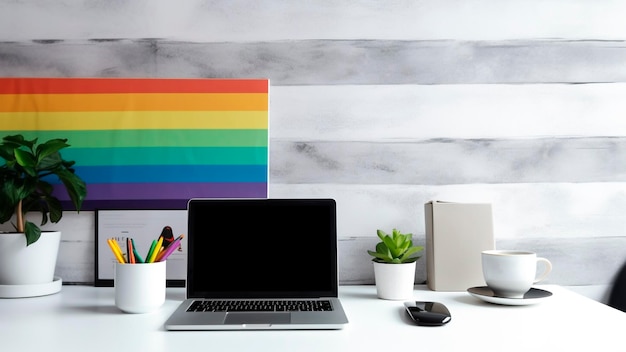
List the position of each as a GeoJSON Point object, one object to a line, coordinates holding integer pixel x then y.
{"type": "Point", "coordinates": [395, 248]}
{"type": "Point", "coordinates": [24, 182]}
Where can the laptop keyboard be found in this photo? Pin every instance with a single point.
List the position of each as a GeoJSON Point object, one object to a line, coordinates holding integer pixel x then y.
{"type": "Point", "coordinates": [260, 306]}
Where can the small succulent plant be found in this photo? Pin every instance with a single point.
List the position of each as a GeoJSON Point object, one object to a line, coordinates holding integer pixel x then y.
{"type": "Point", "coordinates": [395, 248]}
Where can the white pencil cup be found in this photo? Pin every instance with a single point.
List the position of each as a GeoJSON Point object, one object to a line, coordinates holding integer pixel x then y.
{"type": "Point", "coordinates": [139, 288]}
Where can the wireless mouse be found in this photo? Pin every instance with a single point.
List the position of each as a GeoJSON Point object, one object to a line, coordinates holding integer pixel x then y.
{"type": "Point", "coordinates": [428, 313]}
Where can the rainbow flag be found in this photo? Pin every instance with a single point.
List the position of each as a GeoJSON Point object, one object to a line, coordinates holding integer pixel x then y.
{"type": "Point", "coordinates": [149, 143]}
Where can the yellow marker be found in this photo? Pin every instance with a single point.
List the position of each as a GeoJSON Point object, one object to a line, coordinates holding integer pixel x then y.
{"type": "Point", "coordinates": [119, 249]}
{"type": "Point", "coordinates": [159, 254]}
{"type": "Point", "coordinates": [116, 252]}
{"type": "Point", "coordinates": [157, 249]}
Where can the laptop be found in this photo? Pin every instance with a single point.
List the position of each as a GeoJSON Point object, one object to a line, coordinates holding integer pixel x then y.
{"type": "Point", "coordinates": [260, 264]}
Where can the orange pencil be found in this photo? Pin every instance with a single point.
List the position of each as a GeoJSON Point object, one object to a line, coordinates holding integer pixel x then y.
{"type": "Point", "coordinates": [129, 250]}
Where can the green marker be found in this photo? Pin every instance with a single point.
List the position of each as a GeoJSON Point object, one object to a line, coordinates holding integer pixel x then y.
{"type": "Point", "coordinates": [154, 242]}
{"type": "Point", "coordinates": [137, 256]}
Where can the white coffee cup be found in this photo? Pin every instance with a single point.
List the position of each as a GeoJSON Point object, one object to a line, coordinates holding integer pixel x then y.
{"type": "Point", "coordinates": [511, 273]}
{"type": "Point", "coordinates": [139, 288]}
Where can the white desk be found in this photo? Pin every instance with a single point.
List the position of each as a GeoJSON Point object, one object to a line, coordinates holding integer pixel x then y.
{"type": "Point", "coordinates": [83, 318]}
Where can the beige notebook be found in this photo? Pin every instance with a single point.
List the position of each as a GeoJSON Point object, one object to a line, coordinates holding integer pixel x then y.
{"type": "Point", "coordinates": [456, 234]}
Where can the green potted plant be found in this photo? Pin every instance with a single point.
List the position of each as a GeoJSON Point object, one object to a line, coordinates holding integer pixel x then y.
{"type": "Point", "coordinates": [25, 187]}
{"type": "Point", "coordinates": [394, 264]}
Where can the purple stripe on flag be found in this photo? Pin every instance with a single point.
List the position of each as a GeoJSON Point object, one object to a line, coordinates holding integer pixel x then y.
{"type": "Point", "coordinates": [161, 195]}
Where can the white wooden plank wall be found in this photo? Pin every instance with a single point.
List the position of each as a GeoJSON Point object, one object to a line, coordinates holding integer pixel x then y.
{"type": "Point", "coordinates": [385, 106]}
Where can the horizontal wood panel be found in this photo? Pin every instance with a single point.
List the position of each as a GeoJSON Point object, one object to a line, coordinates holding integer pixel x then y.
{"type": "Point", "coordinates": [450, 161]}
{"type": "Point", "coordinates": [539, 218]}
{"type": "Point", "coordinates": [571, 259]}
{"type": "Point", "coordinates": [200, 20]}
{"type": "Point", "coordinates": [574, 260]}
{"type": "Point", "coordinates": [408, 112]}
{"type": "Point", "coordinates": [531, 210]}
{"type": "Point", "coordinates": [76, 262]}
{"type": "Point", "coordinates": [327, 62]}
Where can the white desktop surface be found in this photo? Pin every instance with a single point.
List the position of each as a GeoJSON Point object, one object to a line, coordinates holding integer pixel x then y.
{"type": "Point", "coordinates": [84, 318]}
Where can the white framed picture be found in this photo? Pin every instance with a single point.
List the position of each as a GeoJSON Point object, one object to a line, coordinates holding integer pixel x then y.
{"type": "Point", "coordinates": [143, 227]}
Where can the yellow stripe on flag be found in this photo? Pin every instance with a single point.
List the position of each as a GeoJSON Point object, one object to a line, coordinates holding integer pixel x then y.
{"type": "Point", "coordinates": [136, 120]}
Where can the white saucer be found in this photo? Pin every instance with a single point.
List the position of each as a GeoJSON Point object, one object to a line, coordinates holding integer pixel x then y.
{"type": "Point", "coordinates": [19, 291]}
{"type": "Point", "coordinates": [533, 296]}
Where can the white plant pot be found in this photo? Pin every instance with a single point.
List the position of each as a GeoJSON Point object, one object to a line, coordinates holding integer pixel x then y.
{"type": "Point", "coordinates": [394, 281]}
{"type": "Point", "coordinates": [28, 265]}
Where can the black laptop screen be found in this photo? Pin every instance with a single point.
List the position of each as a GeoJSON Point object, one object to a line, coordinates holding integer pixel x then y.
{"type": "Point", "coordinates": [242, 248]}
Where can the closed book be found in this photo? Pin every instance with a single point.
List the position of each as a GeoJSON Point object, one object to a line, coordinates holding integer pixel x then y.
{"type": "Point", "coordinates": [456, 234]}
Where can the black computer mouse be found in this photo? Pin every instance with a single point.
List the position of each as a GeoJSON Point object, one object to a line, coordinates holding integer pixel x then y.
{"type": "Point", "coordinates": [428, 313]}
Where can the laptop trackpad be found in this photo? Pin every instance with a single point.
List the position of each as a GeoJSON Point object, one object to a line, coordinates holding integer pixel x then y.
{"type": "Point", "coordinates": [257, 318]}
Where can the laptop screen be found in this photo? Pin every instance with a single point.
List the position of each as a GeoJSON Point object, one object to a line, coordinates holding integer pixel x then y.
{"type": "Point", "coordinates": [262, 248]}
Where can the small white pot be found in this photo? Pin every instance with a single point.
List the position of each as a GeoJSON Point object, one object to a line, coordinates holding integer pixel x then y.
{"type": "Point", "coordinates": [28, 265]}
{"type": "Point", "coordinates": [394, 281]}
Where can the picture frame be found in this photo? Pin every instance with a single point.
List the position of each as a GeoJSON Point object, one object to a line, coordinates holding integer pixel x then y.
{"type": "Point", "coordinates": [143, 226]}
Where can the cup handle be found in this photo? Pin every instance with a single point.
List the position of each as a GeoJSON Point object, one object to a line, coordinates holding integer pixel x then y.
{"type": "Point", "coordinates": [546, 271]}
